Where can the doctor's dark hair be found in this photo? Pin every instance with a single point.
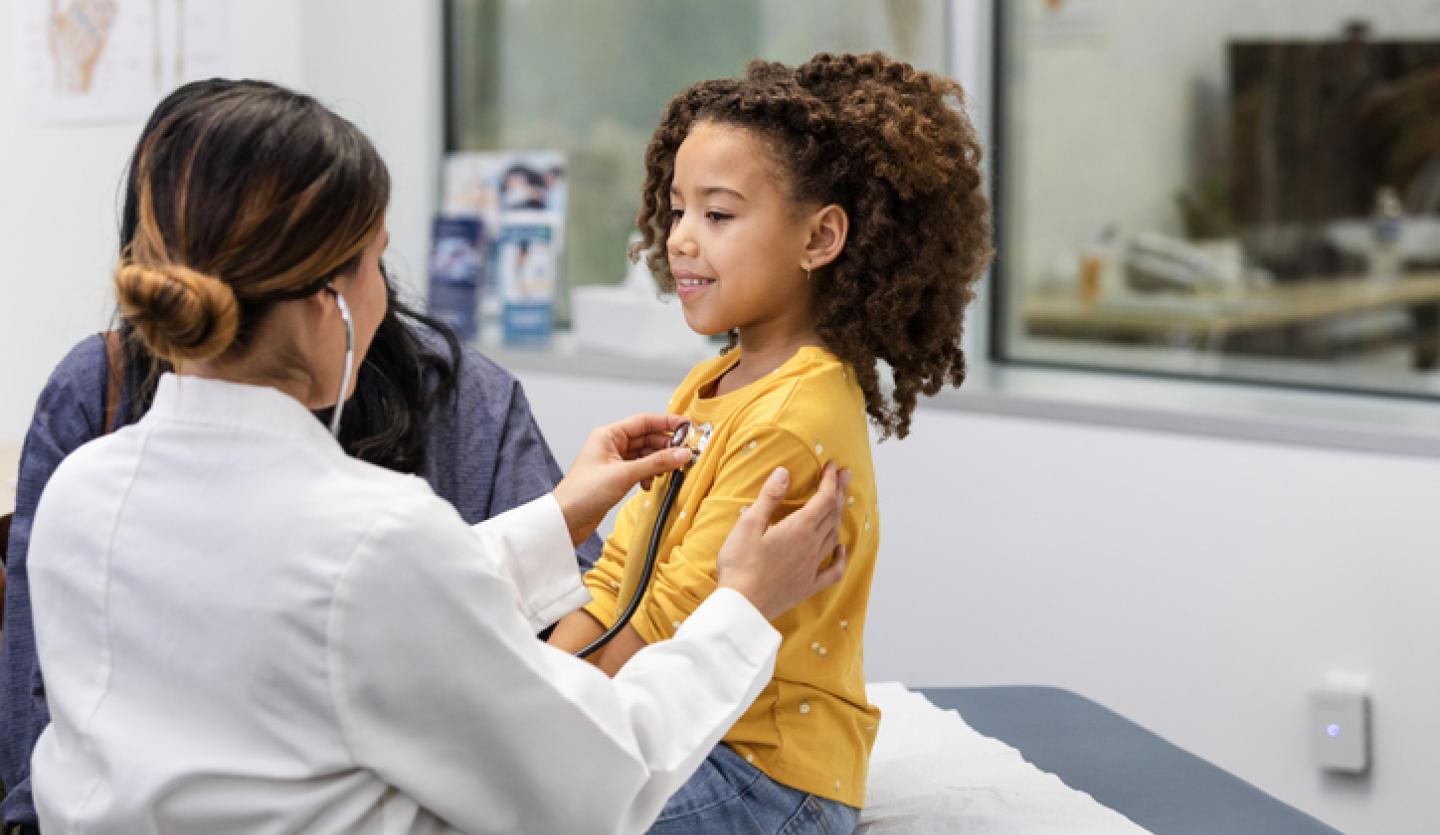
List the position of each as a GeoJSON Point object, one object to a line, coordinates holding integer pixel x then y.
{"type": "Point", "coordinates": [246, 197]}
{"type": "Point", "coordinates": [893, 147]}
{"type": "Point", "coordinates": [309, 168]}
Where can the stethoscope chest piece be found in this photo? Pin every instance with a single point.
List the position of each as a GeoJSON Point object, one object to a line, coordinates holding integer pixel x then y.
{"type": "Point", "coordinates": [695, 437]}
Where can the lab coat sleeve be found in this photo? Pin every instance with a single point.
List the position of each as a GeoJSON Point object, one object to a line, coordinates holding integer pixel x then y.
{"type": "Point", "coordinates": [531, 548]}
{"type": "Point", "coordinates": [441, 689]}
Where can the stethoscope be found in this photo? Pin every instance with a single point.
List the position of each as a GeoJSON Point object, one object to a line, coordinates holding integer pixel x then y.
{"type": "Point", "coordinates": [696, 438]}
{"type": "Point", "coordinates": [349, 360]}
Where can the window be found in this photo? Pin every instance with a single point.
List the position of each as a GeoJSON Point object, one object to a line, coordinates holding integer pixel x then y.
{"type": "Point", "coordinates": [1236, 189]}
{"type": "Point", "coordinates": [591, 79]}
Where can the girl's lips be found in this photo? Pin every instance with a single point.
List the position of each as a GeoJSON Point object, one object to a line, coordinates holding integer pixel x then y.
{"type": "Point", "coordinates": [688, 285]}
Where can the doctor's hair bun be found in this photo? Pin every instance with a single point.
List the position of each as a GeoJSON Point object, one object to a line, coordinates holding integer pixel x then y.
{"type": "Point", "coordinates": [180, 313]}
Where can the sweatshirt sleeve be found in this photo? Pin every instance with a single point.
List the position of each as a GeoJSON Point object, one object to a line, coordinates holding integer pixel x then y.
{"type": "Point", "coordinates": [69, 412]}
{"type": "Point", "coordinates": [686, 577]}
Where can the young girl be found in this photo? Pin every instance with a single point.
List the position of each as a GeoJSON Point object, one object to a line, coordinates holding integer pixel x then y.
{"type": "Point", "coordinates": [827, 217]}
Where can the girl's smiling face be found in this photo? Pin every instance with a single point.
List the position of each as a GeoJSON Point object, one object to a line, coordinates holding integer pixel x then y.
{"type": "Point", "coordinates": [738, 245]}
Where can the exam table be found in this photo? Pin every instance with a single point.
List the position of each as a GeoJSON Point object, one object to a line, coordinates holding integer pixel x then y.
{"type": "Point", "coordinates": [1155, 784]}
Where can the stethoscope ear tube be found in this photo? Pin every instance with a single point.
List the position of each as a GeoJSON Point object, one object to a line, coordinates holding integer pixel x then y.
{"type": "Point", "coordinates": [349, 360]}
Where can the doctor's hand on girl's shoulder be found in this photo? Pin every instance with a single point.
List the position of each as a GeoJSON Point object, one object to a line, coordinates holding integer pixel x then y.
{"type": "Point", "coordinates": [614, 459]}
{"type": "Point", "coordinates": [778, 566]}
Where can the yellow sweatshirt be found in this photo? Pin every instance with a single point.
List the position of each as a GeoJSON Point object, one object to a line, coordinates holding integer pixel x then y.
{"type": "Point", "coordinates": [811, 728]}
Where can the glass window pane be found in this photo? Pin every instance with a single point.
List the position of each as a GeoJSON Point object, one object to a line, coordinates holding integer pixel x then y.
{"type": "Point", "coordinates": [591, 79]}
{"type": "Point", "coordinates": [1245, 189]}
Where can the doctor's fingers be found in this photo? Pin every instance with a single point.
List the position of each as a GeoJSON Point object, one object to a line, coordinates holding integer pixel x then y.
{"type": "Point", "coordinates": [772, 495]}
{"type": "Point", "coordinates": [842, 485]}
{"type": "Point", "coordinates": [656, 463]}
{"type": "Point", "coordinates": [829, 541]}
{"type": "Point", "coordinates": [833, 573]}
{"type": "Point", "coordinates": [823, 508]}
{"type": "Point", "coordinates": [818, 543]}
{"type": "Point", "coordinates": [646, 444]}
{"type": "Point", "coordinates": [813, 546]}
{"type": "Point", "coordinates": [814, 533]}
{"type": "Point", "coordinates": [642, 426]}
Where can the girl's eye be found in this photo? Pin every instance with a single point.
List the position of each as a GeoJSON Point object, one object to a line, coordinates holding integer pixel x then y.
{"type": "Point", "coordinates": [717, 217]}
{"type": "Point", "coordinates": [675, 215]}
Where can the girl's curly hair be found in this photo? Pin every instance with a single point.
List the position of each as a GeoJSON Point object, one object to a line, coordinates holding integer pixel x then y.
{"type": "Point", "coordinates": [894, 148]}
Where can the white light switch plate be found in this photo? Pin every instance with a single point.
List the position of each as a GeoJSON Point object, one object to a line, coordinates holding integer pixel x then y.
{"type": "Point", "coordinates": [1339, 729]}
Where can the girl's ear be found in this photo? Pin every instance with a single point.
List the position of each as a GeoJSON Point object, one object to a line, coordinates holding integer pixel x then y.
{"type": "Point", "coordinates": [829, 227]}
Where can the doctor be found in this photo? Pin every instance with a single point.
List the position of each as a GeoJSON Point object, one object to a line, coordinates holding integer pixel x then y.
{"type": "Point", "coordinates": [244, 630]}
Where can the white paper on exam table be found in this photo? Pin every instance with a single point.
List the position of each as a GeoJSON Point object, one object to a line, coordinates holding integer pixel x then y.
{"type": "Point", "coordinates": [931, 773]}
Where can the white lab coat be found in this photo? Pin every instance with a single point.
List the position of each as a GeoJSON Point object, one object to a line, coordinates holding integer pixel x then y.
{"type": "Point", "coordinates": [242, 630]}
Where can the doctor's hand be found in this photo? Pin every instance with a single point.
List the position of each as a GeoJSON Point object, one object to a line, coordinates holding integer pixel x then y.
{"type": "Point", "coordinates": [614, 459]}
{"type": "Point", "coordinates": [779, 566]}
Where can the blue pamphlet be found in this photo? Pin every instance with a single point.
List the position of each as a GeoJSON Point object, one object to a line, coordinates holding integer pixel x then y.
{"type": "Point", "coordinates": [526, 267]}
{"type": "Point", "coordinates": [457, 273]}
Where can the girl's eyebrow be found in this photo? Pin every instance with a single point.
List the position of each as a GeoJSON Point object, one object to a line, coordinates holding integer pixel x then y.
{"type": "Point", "coordinates": [722, 190]}
{"type": "Point", "coordinates": [710, 190]}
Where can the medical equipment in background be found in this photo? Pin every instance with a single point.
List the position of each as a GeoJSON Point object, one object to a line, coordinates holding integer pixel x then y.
{"type": "Point", "coordinates": [684, 435]}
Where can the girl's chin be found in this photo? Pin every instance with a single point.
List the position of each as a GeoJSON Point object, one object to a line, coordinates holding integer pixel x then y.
{"type": "Point", "coordinates": [705, 327]}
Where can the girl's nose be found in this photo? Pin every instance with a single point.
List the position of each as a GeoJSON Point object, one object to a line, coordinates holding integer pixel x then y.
{"type": "Point", "coordinates": [681, 243]}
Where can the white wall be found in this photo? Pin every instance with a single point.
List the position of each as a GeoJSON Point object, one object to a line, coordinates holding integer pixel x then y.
{"type": "Point", "coordinates": [59, 212]}
{"type": "Point", "coordinates": [377, 63]}
{"type": "Point", "coordinates": [1198, 586]}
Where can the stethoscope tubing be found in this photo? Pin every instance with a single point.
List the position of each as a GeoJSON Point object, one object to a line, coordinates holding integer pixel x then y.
{"type": "Point", "coordinates": [657, 533]}
{"type": "Point", "coordinates": [349, 361]}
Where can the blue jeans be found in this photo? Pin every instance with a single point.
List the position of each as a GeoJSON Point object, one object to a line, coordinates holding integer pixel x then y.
{"type": "Point", "coordinates": [728, 795]}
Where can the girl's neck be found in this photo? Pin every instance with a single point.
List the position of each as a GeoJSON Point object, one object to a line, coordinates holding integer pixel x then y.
{"type": "Point", "coordinates": [762, 353]}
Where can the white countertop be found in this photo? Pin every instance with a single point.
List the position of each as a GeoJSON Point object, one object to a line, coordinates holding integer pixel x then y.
{"type": "Point", "coordinates": [1274, 414]}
